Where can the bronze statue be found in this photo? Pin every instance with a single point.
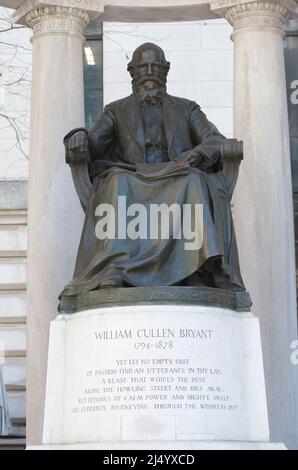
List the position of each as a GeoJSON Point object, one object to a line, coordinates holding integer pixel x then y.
{"type": "Point", "coordinates": [153, 148]}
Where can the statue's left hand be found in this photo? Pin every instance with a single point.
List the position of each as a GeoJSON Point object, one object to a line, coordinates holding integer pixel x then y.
{"type": "Point", "coordinates": [78, 143]}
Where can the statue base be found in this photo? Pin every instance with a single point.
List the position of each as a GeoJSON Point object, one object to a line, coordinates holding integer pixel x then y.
{"type": "Point", "coordinates": [154, 374]}
{"type": "Point", "coordinates": [158, 295]}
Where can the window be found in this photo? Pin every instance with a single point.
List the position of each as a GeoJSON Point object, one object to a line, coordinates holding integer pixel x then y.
{"type": "Point", "coordinates": [93, 72]}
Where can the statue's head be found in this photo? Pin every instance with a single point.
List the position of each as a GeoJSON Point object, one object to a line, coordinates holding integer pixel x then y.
{"type": "Point", "coordinates": [149, 69]}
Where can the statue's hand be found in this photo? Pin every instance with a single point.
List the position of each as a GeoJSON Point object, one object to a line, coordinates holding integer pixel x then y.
{"type": "Point", "coordinates": [193, 158]}
{"type": "Point", "coordinates": [77, 144]}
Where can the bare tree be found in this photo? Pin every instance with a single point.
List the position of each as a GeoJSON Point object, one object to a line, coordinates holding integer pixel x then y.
{"type": "Point", "coordinates": [15, 85]}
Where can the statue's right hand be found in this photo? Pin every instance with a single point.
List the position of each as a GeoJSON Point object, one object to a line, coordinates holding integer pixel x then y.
{"type": "Point", "coordinates": [78, 143]}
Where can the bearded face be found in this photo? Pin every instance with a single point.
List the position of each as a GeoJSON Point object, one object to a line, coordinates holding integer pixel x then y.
{"type": "Point", "coordinates": [149, 77]}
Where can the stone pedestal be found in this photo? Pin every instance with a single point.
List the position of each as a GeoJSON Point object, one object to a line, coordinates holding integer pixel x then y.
{"type": "Point", "coordinates": [167, 373]}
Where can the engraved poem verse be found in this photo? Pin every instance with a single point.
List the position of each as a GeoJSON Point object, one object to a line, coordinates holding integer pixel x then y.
{"type": "Point", "coordinates": [152, 374]}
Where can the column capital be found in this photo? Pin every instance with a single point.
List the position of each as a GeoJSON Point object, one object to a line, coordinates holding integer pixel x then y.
{"type": "Point", "coordinates": [255, 13]}
{"type": "Point", "coordinates": [57, 20]}
{"type": "Point", "coordinates": [31, 10]}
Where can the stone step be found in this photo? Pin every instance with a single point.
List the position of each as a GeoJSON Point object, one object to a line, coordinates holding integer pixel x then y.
{"type": "Point", "coordinates": [8, 443]}
{"type": "Point", "coordinates": [12, 287]}
{"type": "Point", "coordinates": [12, 320]}
{"type": "Point", "coordinates": [11, 355]}
{"type": "Point", "coordinates": [13, 217]}
{"type": "Point", "coordinates": [18, 421]}
{"type": "Point", "coordinates": [13, 254]}
{"type": "Point", "coordinates": [15, 387]}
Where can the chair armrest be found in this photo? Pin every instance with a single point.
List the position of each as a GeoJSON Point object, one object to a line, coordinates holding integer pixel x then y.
{"type": "Point", "coordinates": [231, 157]}
{"type": "Point", "coordinates": [232, 149]}
{"type": "Point", "coordinates": [80, 173]}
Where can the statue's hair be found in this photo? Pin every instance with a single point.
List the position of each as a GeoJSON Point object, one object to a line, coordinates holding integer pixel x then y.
{"type": "Point", "coordinates": [140, 49]}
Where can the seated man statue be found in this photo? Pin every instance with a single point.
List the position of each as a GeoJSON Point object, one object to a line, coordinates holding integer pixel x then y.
{"type": "Point", "coordinates": [154, 154]}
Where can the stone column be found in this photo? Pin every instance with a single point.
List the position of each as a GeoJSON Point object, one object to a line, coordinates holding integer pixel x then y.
{"type": "Point", "coordinates": [263, 209]}
{"type": "Point", "coordinates": [55, 216]}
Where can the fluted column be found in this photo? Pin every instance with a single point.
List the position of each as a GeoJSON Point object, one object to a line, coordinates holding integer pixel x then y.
{"type": "Point", "coordinates": [263, 209]}
{"type": "Point", "coordinates": [55, 216]}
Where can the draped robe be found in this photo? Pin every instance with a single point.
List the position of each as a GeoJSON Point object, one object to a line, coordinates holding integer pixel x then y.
{"type": "Point", "coordinates": [120, 166]}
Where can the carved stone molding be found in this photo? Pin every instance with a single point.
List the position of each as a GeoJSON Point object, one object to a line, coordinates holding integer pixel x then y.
{"type": "Point", "coordinates": [258, 15]}
{"type": "Point", "coordinates": [57, 20]}
{"type": "Point", "coordinates": [94, 8]}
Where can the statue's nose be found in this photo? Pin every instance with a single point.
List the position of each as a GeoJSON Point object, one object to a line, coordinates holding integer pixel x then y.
{"type": "Point", "coordinates": [149, 69]}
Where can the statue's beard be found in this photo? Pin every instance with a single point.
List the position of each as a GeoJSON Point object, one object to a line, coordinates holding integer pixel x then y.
{"type": "Point", "coordinates": [149, 95]}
